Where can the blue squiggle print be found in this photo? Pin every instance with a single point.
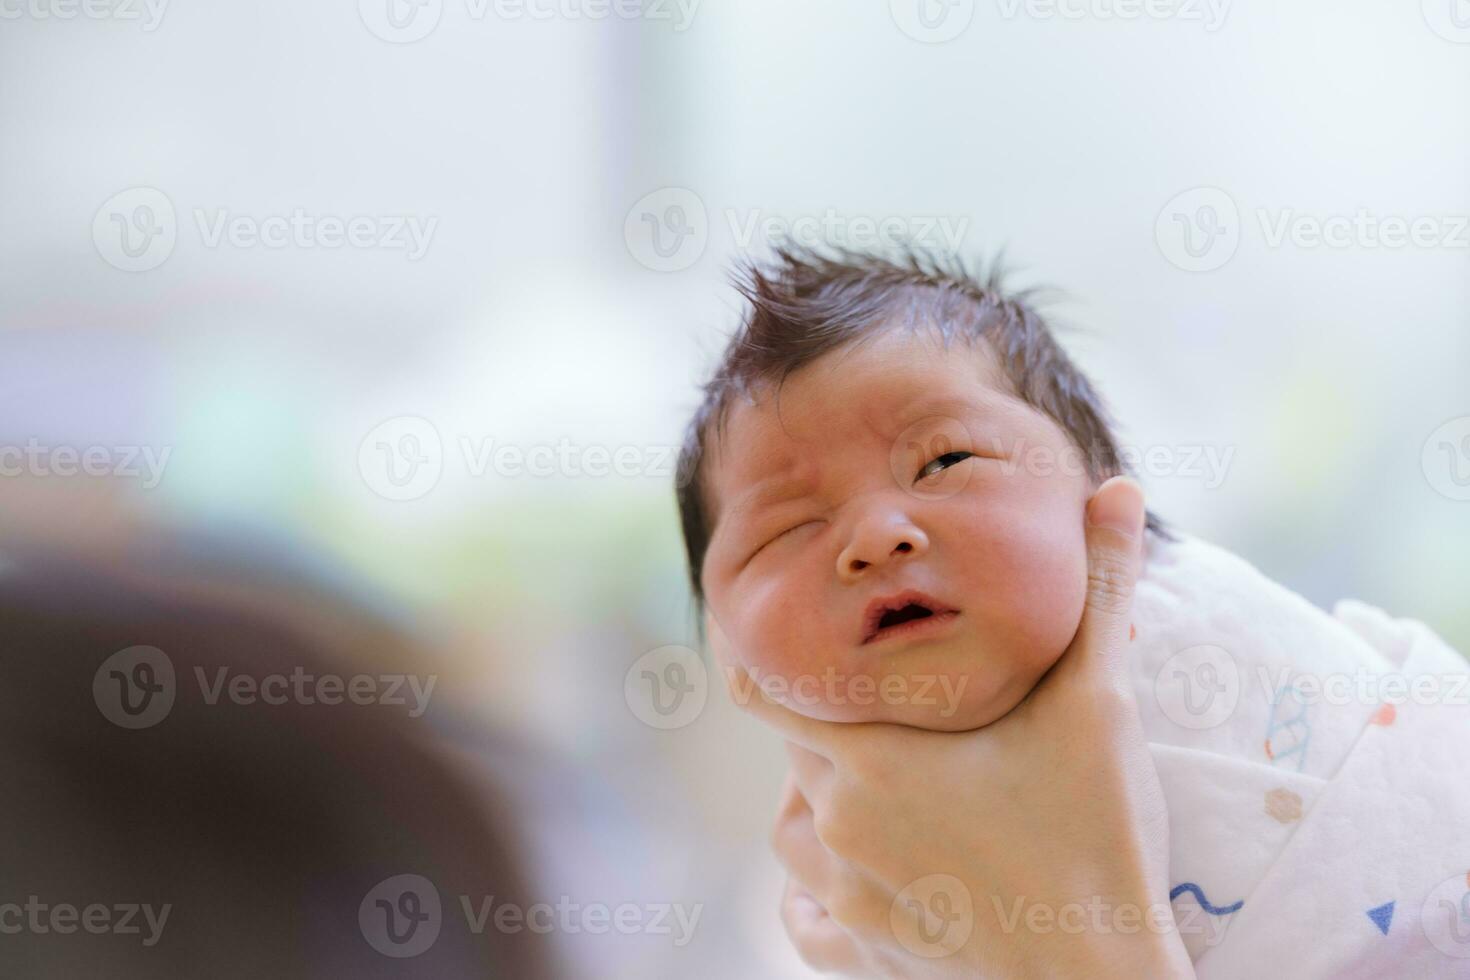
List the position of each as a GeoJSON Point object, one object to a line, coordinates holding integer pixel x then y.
{"type": "Point", "coordinates": [1204, 903]}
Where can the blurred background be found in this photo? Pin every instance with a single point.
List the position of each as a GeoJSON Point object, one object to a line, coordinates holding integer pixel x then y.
{"type": "Point", "coordinates": [400, 307]}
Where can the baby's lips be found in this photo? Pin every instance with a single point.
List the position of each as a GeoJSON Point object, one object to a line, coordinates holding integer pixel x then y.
{"type": "Point", "coordinates": [877, 608]}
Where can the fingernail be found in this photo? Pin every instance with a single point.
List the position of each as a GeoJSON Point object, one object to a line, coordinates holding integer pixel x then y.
{"type": "Point", "coordinates": [1119, 508]}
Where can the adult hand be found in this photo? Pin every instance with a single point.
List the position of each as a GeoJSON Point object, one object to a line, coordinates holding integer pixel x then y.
{"type": "Point", "coordinates": [1036, 846]}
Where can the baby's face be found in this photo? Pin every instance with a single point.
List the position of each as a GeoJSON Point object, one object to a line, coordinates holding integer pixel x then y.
{"type": "Point", "coordinates": [904, 542]}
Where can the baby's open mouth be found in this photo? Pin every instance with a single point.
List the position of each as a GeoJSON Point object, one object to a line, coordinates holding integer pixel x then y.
{"type": "Point", "coordinates": [906, 612]}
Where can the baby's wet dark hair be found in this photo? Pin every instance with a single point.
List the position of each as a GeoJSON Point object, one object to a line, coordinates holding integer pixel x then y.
{"type": "Point", "coordinates": [803, 303]}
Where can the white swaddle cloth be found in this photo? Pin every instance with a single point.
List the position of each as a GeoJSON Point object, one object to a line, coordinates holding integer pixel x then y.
{"type": "Point", "coordinates": [1316, 773]}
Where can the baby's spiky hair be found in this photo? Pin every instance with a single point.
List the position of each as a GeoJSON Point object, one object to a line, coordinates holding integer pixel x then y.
{"type": "Point", "coordinates": [804, 303]}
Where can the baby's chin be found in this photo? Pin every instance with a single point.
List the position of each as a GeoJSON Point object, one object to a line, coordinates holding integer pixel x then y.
{"type": "Point", "coordinates": [942, 702]}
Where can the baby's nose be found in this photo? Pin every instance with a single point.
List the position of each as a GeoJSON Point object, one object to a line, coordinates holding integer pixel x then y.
{"type": "Point", "coordinates": [877, 542]}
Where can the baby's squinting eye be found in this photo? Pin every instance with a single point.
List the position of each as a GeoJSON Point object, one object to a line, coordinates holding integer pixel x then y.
{"type": "Point", "coordinates": [778, 537]}
{"type": "Point", "coordinates": [943, 462]}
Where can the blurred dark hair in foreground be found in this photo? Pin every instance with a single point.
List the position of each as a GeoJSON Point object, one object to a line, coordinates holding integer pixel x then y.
{"type": "Point", "coordinates": [263, 828]}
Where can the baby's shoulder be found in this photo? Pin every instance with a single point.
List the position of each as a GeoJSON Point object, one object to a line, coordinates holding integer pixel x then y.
{"type": "Point", "coordinates": [1229, 662]}
{"type": "Point", "coordinates": [1191, 592]}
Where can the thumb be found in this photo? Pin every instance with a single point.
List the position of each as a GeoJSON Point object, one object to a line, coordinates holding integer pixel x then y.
{"type": "Point", "coordinates": [1114, 545]}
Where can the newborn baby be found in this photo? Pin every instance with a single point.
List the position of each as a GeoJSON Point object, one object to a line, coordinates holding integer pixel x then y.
{"type": "Point", "coordinates": [882, 496]}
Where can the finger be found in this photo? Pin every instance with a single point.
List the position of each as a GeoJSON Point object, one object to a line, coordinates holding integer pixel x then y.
{"type": "Point", "coordinates": [848, 897]}
{"type": "Point", "coordinates": [812, 774]}
{"type": "Point", "coordinates": [1114, 545]}
{"type": "Point", "coordinates": [795, 842]}
{"type": "Point", "coordinates": [820, 942]}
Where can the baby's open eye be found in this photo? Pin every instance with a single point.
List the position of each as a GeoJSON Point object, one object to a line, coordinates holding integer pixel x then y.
{"type": "Point", "coordinates": [943, 462]}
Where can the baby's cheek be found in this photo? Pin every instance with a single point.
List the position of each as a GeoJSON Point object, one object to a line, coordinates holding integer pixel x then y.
{"type": "Point", "coordinates": [777, 637]}
{"type": "Point", "coordinates": [1040, 576]}
{"type": "Point", "coordinates": [796, 653]}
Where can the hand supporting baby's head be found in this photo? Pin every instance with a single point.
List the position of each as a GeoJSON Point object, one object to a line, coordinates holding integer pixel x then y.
{"type": "Point", "coordinates": [885, 489]}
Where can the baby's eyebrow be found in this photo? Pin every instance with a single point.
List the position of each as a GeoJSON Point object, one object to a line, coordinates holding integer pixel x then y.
{"type": "Point", "coordinates": [930, 404]}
